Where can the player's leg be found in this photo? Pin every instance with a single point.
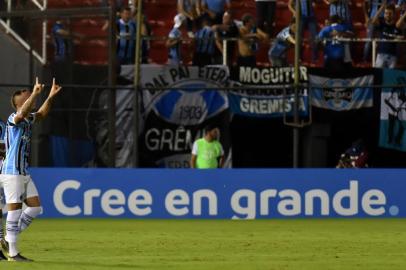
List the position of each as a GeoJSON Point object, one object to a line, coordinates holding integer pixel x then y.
{"type": "Point", "coordinates": [14, 187]}
{"type": "Point", "coordinates": [13, 216]}
{"type": "Point", "coordinates": [2, 256]}
{"type": "Point", "coordinates": [2, 235]}
{"type": "Point", "coordinates": [32, 211]}
{"type": "Point", "coordinates": [1, 214]}
{"type": "Point", "coordinates": [33, 205]}
{"type": "Point", "coordinates": [1, 225]}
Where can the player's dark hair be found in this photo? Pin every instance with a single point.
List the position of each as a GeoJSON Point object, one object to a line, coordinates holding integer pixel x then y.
{"type": "Point", "coordinates": [15, 94]}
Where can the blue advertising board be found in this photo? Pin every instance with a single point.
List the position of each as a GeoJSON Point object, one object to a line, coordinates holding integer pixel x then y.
{"type": "Point", "coordinates": [221, 194]}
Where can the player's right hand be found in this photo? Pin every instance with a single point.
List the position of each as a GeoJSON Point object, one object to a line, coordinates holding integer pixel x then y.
{"type": "Point", "coordinates": [37, 87]}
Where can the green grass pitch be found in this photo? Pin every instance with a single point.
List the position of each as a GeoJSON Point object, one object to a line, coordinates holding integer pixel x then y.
{"type": "Point", "coordinates": [213, 244]}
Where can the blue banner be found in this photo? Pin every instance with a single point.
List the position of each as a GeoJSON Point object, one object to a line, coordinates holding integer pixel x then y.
{"type": "Point", "coordinates": [221, 194]}
{"type": "Point", "coordinates": [393, 111]}
{"type": "Point", "coordinates": [342, 94]}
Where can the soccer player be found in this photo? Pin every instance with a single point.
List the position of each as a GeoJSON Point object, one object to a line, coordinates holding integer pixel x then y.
{"type": "Point", "coordinates": [15, 179]}
{"type": "Point", "coordinates": [2, 155]}
{"type": "Point", "coordinates": [207, 151]}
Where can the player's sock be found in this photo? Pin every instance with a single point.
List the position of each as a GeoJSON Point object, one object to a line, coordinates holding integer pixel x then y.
{"type": "Point", "coordinates": [27, 217]}
{"type": "Point", "coordinates": [1, 229]}
{"type": "Point", "coordinates": [13, 231]}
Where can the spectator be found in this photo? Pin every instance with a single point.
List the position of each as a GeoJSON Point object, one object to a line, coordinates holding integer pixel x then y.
{"type": "Point", "coordinates": [205, 45]}
{"type": "Point", "coordinates": [228, 29]}
{"type": "Point", "coordinates": [387, 28]}
{"type": "Point", "coordinates": [207, 152]}
{"type": "Point", "coordinates": [284, 40]}
{"type": "Point", "coordinates": [308, 21]}
{"type": "Point", "coordinates": [354, 157]}
{"type": "Point", "coordinates": [370, 9]}
{"type": "Point", "coordinates": [248, 42]}
{"type": "Point", "coordinates": [63, 41]}
{"type": "Point", "coordinates": [334, 50]}
{"type": "Point", "coordinates": [191, 9]}
{"type": "Point", "coordinates": [215, 9]}
{"type": "Point", "coordinates": [266, 15]}
{"type": "Point", "coordinates": [145, 45]}
{"type": "Point", "coordinates": [401, 6]}
{"type": "Point", "coordinates": [62, 65]}
{"type": "Point", "coordinates": [175, 40]}
{"type": "Point", "coordinates": [126, 30]}
{"type": "Point", "coordinates": [118, 6]}
{"type": "Point", "coordinates": [341, 9]}
{"type": "Point", "coordinates": [63, 46]}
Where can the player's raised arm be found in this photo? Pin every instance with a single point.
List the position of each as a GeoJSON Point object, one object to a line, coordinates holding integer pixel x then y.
{"type": "Point", "coordinates": [46, 106]}
{"type": "Point", "coordinates": [29, 103]}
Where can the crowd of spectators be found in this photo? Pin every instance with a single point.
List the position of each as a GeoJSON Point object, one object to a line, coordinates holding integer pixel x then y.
{"type": "Point", "coordinates": [204, 24]}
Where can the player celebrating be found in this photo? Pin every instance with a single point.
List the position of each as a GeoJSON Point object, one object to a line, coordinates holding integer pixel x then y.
{"type": "Point", "coordinates": [2, 155]}
{"type": "Point", "coordinates": [16, 181]}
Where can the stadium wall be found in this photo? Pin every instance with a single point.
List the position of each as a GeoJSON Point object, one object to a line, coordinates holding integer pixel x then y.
{"type": "Point", "coordinates": [17, 69]}
{"type": "Point", "coordinates": [221, 194]}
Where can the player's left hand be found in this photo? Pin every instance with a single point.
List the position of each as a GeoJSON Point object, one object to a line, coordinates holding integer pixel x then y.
{"type": "Point", "coordinates": [54, 89]}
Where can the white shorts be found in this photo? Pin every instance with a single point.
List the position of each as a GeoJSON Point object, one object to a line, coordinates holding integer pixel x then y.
{"type": "Point", "coordinates": [17, 188]}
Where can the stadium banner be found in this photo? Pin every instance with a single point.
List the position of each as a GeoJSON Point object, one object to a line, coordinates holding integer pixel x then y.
{"type": "Point", "coordinates": [221, 194]}
{"type": "Point", "coordinates": [342, 94]}
{"type": "Point", "coordinates": [173, 120]}
{"type": "Point", "coordinates": [267, 92]}
{"type": "Point", "coordinates": [393, 111]}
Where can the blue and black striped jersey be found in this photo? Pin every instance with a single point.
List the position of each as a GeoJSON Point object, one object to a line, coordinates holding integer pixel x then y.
{"type": "Point", "coordinates": [17, 140]}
